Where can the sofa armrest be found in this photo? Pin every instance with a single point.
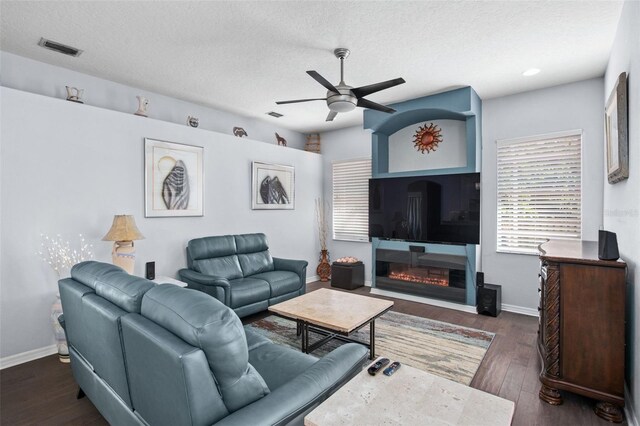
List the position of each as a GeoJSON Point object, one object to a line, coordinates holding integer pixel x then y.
{"type": "Point", "coordinates": [295, 399]}
{"type": "Point", "coordinates": [297, 266]}
{"type": "Point", "coordinates": [217, 287]}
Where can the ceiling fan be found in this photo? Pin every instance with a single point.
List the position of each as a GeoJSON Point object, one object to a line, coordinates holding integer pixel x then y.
{"type": "Point", "coordinates": [344, 98]}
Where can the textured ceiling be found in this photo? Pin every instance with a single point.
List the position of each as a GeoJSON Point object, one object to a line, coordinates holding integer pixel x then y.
{"type": "Point", "coordinates": [242, 56]}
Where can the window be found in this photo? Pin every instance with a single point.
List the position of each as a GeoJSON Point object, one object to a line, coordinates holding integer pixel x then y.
{"type": "Point", "coordinates": [539, 191]}
{"type": "Point", "coordinates": [351, 200]}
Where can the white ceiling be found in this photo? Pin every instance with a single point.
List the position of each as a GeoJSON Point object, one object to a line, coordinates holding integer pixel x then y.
{"type": "Point", "coordinates": [242, 56]}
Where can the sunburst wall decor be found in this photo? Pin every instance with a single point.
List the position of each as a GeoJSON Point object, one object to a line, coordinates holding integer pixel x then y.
{"type": "Point", "coordinates": [427, 138]}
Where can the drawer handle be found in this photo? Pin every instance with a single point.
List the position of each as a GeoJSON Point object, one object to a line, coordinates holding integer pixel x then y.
{"type": "Point", "coordinates": [539, 290]}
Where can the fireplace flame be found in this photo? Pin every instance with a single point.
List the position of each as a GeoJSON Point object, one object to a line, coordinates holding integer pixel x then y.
{"type": "Point", "coordinates": [402, 276]}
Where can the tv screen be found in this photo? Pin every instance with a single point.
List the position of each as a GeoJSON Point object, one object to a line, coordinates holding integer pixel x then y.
{"type": "Point", "coordinates": [433, 209]}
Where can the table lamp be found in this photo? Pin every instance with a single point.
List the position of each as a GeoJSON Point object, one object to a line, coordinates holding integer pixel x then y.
{"type": "Point", "coordinates": [123, 232]}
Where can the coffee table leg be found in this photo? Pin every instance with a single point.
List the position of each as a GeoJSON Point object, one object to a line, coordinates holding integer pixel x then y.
{"type": "Point", "coordinates": [305, 336]}
{"type": "Point", "coordinates": [298, 328]}
{"type": "Point", "coordinates": [372, 339]}
{"type": "Point", "coordinates": [302, 332]}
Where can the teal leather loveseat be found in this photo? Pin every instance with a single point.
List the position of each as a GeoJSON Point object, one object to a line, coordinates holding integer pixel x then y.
{"type": "Point", "coordinates": [147, 354]}
{"type": "Point", "coordinates": [239, 271]}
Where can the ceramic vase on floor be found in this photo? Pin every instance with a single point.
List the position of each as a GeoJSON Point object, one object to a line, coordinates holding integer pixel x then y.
{"type": "Point", "coordinates": [324, 268]}
{"type": "Point", "coordinates": [58, 331]}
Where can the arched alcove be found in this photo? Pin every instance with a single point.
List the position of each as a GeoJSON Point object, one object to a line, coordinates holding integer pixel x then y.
{"type": "Point", "coordinates": [462, 105]}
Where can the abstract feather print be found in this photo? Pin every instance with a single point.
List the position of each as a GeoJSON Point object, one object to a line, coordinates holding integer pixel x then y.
{"type": "Point", "coordinates": [272, 191]}
{"type": "Point", "coordinates": [175, 187]}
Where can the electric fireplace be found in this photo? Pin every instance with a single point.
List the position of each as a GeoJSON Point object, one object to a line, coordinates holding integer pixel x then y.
{"type": "Point", "coordinates": [440, 276]}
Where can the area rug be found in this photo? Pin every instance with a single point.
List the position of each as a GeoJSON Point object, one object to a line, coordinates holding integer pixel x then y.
{"type": "Point", "coordinates": [440, 348]}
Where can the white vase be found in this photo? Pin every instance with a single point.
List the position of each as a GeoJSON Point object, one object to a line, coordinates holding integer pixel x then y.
{"type": "Point", "coordinates": [58, 331]}
{"type": "Point", "coordinates": [143, 104]}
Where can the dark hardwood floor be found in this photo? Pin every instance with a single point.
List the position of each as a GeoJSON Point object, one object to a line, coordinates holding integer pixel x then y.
{"type": "Point", "coordinates": [43, 392]}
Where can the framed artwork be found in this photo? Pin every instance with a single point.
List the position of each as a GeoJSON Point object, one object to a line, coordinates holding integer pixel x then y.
{"type": "Point", "coordinates": [615, 128]}
{"type": "Point", "coordinates": [173, 180]}
{"type": "Point", "coordinates": [272, 187]}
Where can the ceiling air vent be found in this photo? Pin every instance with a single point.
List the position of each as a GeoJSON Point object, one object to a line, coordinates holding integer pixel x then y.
{"type": "Point", "coordinates": [59, 47]}
{"type": "Point", "coordinates": [274, 114]}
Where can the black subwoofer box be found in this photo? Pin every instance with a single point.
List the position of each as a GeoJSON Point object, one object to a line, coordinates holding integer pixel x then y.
{"type": "Point", "coordinates": [489, 300]}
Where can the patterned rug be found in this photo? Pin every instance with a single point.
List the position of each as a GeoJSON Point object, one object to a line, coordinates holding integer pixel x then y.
{"type": "Point", "coordinates": [443, 349]}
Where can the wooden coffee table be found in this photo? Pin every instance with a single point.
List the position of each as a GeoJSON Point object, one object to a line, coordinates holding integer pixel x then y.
{"type": "Point", "coordinates": [334, 314]}
{"type": "Point", "coordinates": [410, 397]}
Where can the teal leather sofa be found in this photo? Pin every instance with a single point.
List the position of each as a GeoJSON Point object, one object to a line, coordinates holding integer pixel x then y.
{"type": "Point", "coordinates": [148, 354]}
{"type": "Point", "coordinates": [239, 271]}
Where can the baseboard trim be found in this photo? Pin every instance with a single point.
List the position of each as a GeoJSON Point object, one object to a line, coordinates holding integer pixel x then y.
{"type": "Point", "coordinates": [425, 300]}
{"type": "Point", "coordinates": [313, 279]}
{"type": "Point", "coordinates": [11, 360]}
{"type": "Point", "coordinates": [367, 283]}
{"type": "Point", "coordinates": [520, 310]}
{"type": "Point", "coordinates": [629, 413]}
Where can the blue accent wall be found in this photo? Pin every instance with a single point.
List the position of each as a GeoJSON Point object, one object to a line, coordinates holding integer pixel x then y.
{"type": "Point", "coordinates": [462, 104]}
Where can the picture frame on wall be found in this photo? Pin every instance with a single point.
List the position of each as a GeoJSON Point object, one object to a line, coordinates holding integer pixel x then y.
{"type": "Point", "coordinates": [272, 186]}
{"type": "Point", "coordinates": [174, 179]}
{"type": "Point", "coordinates": [616, 132]}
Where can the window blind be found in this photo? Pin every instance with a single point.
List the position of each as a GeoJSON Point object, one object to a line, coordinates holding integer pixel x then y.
{"type": "Point", "coordinates": [539, 191]}
{"type": "Point", "coordinates": [351, 200]}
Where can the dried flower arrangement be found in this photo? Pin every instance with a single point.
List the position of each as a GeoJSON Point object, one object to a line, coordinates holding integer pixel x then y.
{"type": "Point", "coordinates": [321, 217]}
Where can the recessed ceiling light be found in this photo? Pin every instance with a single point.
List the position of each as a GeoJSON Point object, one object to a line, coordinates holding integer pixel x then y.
{"type": "Point", "coordinates": [531, 71]}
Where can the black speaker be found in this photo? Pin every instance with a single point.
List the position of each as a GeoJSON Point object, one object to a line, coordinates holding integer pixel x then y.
{"type": "Point", "coordinates": [489, 300]}
{"type": "Point", "coordinates": [150, 271]}
{"type": "Point", "coordinates": [479, 279]}
{"type": "Point", "coordinates": [416, 249]}
{"type": "Point", "coordinates": [607, 245]}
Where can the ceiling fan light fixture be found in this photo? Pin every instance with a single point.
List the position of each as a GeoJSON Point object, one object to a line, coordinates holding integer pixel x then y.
{"type": "Point", "coordinates": [342, 106]}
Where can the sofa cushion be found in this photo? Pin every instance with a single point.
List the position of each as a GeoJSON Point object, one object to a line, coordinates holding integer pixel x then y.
{"type": "Point", "coordinates": [225, 267]}
{"type": "Point", "coordinates": [245, 291]}
{"type": "Point", "coordinates": [255, 339]}
{"type": "Point", "coordinates": [278, 364]}
{"type": "Point", "coordinates": [112, 283]}
{"type": "Point", "coordinates": [251, 243]}
{"type": "Point", "coordinates": [204, 322]}
{"type": "Point", "coordinates": [208, 247]}
{"type": "Point", "coordinates": [254, 263]}
{"type": "Point", "coordinates": [281, 282]}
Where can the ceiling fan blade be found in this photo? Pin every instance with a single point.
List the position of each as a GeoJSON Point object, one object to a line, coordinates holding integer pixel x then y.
{"type": "Point", "coordinates": [363, 103]}
{"type": "Point", "coordinates": [300, 100]}
{"type": "Point", "coordinates": [331, 116]}
{"type": "Point", "coordinates": [320, 79]}
{"type": "Point", "coordinates": [360, 92]}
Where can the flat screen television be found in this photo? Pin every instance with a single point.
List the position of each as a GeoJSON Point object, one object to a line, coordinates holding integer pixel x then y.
{"type": "Point", "coordinates": [426, 209]}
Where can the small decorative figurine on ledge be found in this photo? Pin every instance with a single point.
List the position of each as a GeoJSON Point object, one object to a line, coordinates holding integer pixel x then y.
{"type": "Point", "coordinates": [74, 94]}
{"type": "Point", "coordinates": [143, 104]}
{"type": "Point", "coordinates": [193, 121]}
{"type": "Point", "coordinates": [239, 132]}
{"type": "Point", "coordinates": [281, 141]}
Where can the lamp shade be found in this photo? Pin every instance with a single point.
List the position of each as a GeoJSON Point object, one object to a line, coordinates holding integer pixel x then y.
{"type": "Point", "coordinates": [123, 229]}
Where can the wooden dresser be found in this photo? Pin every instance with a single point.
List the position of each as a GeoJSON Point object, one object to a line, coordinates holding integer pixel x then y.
{"type": "Point", "coordinates": [581, 333]}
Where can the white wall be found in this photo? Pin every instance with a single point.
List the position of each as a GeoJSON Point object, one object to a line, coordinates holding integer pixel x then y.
{"type": "Point", "coordinates": [67, 168]}
{"type": "Point", "coordinates": [451, 152]}
{"type": "Point", "coordinates": [353, 143]}
{"type": "Point", "coordinates": [567, 107]}
{"type": "Point", "coordinates": [28, 75]}
{"type": "Point", "coordinates": [622, 200]}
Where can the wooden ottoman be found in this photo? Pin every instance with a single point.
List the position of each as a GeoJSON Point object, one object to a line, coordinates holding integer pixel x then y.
{"type": "Point", "coordinates": [347, 276]}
